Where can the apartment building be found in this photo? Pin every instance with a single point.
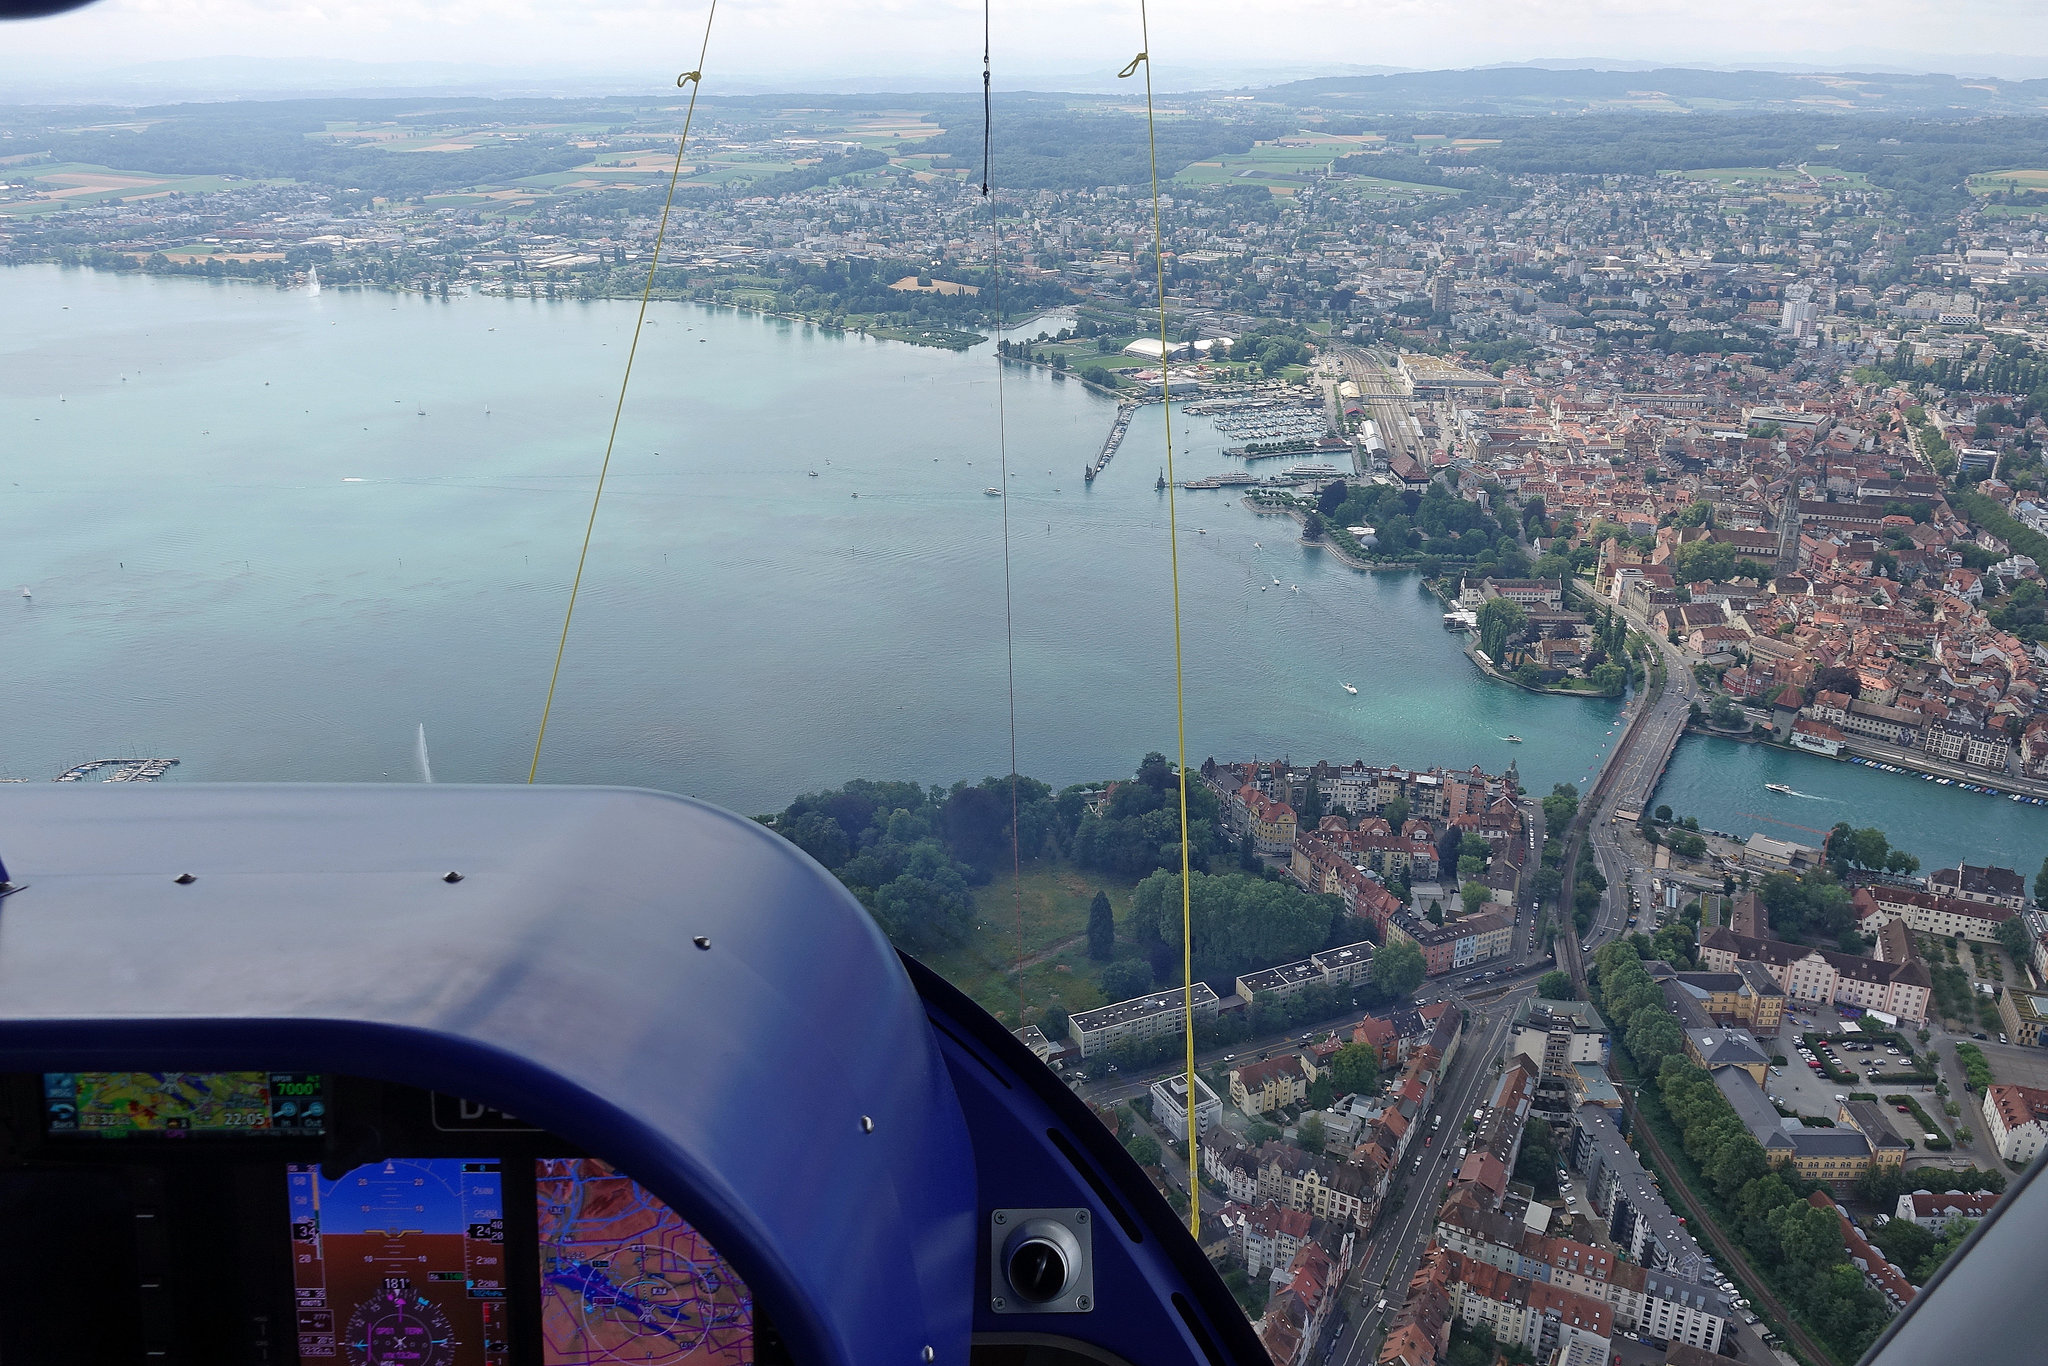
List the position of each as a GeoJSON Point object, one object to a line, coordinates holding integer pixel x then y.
{"type": "Point", "coordinates": [1170, 1105]}
{"type": "Point", "coordinates": [1643, 1299]}
{"type": "Point", "coordinates": [1544, 1319]}
{"type": "Point", "coordinates": [1618, 1189]}
{"type": "Point", "coordinates": [1266, 1236]}
{"type": "Point", "coordinates": [1140, 1018]}
{"type": "Point", "coordinates": [1456, 944]}
{"type": "Point", "coordinates": [1933, 1210]}
{"type": "Point", "coordinates": [1558, 1035]}
{"type": "Point", "coordinates": [1977, 746]}
{"type": "Point", "coordinates": [1338, 967]}
{"type": "Point", "coordinates": [1262, 1087]}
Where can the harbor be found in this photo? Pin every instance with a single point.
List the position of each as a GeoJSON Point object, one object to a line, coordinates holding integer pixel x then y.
{"type": "Point", "coordinates": [125, 770]}
{"type": "Point", "coordinates": [1124, 412]}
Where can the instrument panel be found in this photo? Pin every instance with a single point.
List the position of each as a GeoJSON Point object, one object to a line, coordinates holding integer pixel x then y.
{"type": "Point", "coordinates": [271, 1218]}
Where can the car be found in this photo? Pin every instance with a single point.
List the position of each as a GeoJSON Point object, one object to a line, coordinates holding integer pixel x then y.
{"type": "Point", "coordinates": [1429, 1140]}
{"type": "Point", "coordinates": [1986, 1038]}
{"type": "Point", "coordinates": [1230, 1057]}
{"type": "Point", "coordinates": [1903, 1109]}
{"type": "Point", "coordinates": [2002, 1038]}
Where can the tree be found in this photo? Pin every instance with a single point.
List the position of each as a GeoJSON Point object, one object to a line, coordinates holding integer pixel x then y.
{"type": "Point", "coordinates": [1396, 812]}
{"type": "Point", "coordinates": [1311, 814]}
{"type": "Point", "coordinates": [1560, 807]}
{"type": "Point", "coordinates": [1331, 498]}
{"type": "Point", "coordinates": [1397, 968]}
{"type": "Point", "coordinates": [2041, 885]}
{"type": "Point", "coordinates": [1122, 981]}
{"type": "Point", "coordinates": [1308, 1135]}
{"type": "Point", "coordinates": [1053, 1024]}
{"type": "Point", "coordinates": [1556, 986]}
{"type": "Point", "coordinates": [1609, 678]}
{"type": "Point", "coordinates": [1501, 620]}
{"type": "Point", "coordinates": [1696, 561]}
{"type": "Point", "coordinates": [1664, 814]}
{"type": "Point", "coordinates": [1101, 928]}
{"type": "Point", "coordinates": [1355, 1070]}
{"type": "Point", "coordinates": [2015, 939]}
{"type": "Point", "coordinates": [1474, 894]}
{"type": "Point", "coordinates": [1144, 1150]}
{"type": "Point", "coordinates": [1312, 526]}
{"type": "Point", "coordinates": [1321, 1092]}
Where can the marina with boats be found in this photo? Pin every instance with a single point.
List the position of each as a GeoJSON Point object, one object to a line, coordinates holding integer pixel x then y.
{"type": "Point", "coordinates": [124, 770]}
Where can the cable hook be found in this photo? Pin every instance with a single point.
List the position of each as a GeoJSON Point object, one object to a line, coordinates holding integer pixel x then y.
{"type": "Point", "coordinates": [696, 76]}
{"type": "Point", "coordinates": [1132, 69]}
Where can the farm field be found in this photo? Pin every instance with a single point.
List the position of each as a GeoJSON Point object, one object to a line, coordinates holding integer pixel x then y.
{"type": "Point", "coordinates": [65, 185]}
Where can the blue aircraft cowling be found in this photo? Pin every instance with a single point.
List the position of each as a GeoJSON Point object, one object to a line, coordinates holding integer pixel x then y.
{"type": "Point", "coordinates": [778, 1086]}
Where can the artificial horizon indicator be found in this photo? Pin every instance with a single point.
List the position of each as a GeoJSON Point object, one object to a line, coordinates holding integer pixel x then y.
{"type": "Point", "coordinates": [400, 1263]}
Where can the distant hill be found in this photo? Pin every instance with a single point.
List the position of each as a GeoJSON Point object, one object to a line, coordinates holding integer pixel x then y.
{"type": "Point", "coordinates": [1538, 90]}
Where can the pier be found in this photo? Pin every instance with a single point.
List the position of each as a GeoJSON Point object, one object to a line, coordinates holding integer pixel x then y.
{"type": "Point", "coordinates": [125, 770]}
{"type": "Point", "coordinates": [1115, 438]}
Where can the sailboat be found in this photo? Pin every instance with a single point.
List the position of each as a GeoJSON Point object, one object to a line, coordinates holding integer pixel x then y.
{"type": "Point", "coordinates": [26, 595]}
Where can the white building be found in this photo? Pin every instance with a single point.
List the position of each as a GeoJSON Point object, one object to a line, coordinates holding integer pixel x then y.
{"type": "Point", "coordinates": [1169, 1105]}
{"type": "Point", "coordinates": [2016, 1120]}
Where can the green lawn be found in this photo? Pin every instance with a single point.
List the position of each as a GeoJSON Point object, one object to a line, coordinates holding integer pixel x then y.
{"type": "Point", "coordinates": [1052, 902]}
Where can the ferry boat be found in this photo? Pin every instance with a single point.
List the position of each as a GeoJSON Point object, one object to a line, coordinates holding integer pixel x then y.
{"type": "Point", "coordinates": [1779, 788]}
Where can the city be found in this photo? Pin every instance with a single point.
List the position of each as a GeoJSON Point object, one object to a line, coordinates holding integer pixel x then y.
{"type": "Point", "coordinates": [1729, 425]}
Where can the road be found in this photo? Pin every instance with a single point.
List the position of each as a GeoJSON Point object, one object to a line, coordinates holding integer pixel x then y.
{"type": "Point", "coordinates": [1627, 781]}
{"type": "Point", "coordinates": [1404, 1229]}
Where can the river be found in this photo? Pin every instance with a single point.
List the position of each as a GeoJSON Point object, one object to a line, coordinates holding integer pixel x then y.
{"type": "Point", "coordinates": [275, 533]}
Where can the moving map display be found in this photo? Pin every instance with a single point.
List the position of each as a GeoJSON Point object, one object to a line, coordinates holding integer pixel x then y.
{"type": "Point", "coordinates": [182, 1104]}
{"type": "Point", "coordinates": [624, 1279]}
{"type": "Point", "coordinates": [400, 1263]}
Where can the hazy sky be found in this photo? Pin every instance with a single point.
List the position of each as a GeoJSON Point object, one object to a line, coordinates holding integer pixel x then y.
{"type": "Point", "coordinates": [793, 40]}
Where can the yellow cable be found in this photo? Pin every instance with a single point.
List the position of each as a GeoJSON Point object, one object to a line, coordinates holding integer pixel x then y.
{"type": "Point", "coordinates": [1180, 711]}
{"type": "Point", "coordinates": [695, 80]}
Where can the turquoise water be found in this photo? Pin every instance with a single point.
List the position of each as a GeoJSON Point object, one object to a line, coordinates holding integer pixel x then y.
{"type": "Point", "coordinates": [248, 549]}
{"type": "Point", "coordinates": [1722, 783]}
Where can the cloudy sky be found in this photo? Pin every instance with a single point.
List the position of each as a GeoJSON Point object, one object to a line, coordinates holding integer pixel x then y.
{"type": "Point", "coordinates": [791, 42]}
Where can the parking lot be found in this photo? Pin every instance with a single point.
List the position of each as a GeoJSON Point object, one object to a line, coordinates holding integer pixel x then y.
{"type": "Point", "coordinates": [1808, 1092]}
{"type": "Point", "coordinates": [2009, 1062]}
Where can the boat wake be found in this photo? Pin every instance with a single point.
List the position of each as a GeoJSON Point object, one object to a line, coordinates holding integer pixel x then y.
{"type": "Point", "coordinates": [420, 755]}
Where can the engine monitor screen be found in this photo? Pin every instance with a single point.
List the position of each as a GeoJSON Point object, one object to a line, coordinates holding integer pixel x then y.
{"type": "Point", "coordinates": [400, 1263]}
{"type": "Point", "coordinates": [624, 1279]}
{"type": "Point", "coordinates": [183, 1104]}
